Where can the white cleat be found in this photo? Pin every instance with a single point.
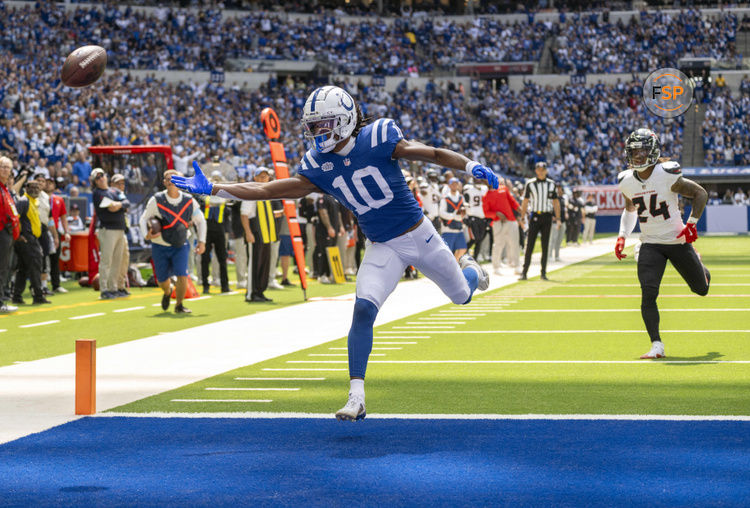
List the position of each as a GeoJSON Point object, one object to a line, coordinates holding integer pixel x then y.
{"type": "Point", "coordinates": [354, 409]}
{"type": "Point", "coordinates": [467, 261]}
{"type": "Point", "coordinates": [657, 351]}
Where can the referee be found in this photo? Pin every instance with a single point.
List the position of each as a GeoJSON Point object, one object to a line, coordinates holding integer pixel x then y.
{"type": "Point", "coordinates": [542, 194]}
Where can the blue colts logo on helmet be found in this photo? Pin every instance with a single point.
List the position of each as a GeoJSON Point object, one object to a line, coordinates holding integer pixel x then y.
{"type": "Point", "coordinates": [347, 102]}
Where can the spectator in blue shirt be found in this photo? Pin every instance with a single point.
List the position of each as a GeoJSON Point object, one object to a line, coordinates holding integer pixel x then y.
{"type": "Point", "coordinates": [81, 170]}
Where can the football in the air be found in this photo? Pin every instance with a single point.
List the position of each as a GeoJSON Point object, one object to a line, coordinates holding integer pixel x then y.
{"type": "Point", "coordinates": [154, 225]}
{"type": "Point", "coordinates": [84, 66]}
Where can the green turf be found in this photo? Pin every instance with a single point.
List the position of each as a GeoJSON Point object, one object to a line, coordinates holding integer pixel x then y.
{"type": "Point", "coordinates": [24, 344]}
{"type": "Point", "coordinates": [641, 387]}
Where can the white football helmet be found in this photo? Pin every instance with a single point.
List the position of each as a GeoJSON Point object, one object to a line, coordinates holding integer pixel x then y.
{"type": "Point", "coordinates": [329, 116]}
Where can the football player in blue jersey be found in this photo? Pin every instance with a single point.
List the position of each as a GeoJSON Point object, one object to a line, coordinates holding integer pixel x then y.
{"type": "Point", "coordinates": [357, 163]}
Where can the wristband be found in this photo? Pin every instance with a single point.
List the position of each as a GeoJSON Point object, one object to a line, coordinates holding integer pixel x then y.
{"type": "Point", "coordinates": [471, 165]}
{"type": "Point", "coordinates": [693, 220]}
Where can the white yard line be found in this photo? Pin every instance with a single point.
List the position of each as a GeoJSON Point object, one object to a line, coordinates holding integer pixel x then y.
{"type": "Point", "coordinates": [386, 343]}
{"type": "Point", "coordinates": [43, 323]}
{"type": "Point", "coordinates": [436, 322]}
{"type": "Point", "coordinates": [86, 316]}
{"type": "Point", "coordinates": [402, 336]}
{"type": "Point", "coordinates": [340, 354]}
{"type": "Point", "coordinates": [422, 327]}
{"type": "Point", "coordinates": [279, 379]}
{"type": "Point", "coordinates": [307, 370]}
{"type": "Point", "coordinates": [252, 389]}
{"type": "Point", "coordinates": [220, 400]}
{"type": "Point", "coordinates": [402, 416]}
{"type": "Point", "coordinates": [128, 309]}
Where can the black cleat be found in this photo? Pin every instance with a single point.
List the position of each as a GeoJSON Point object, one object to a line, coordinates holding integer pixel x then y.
{"type": "Point", "coordinates": [181, 309]}
{"type": "Point", "coordinates": [165, 301]}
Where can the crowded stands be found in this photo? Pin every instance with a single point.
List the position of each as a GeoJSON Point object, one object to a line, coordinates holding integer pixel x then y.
{"type": "Point", "coordinates": [181, 39]}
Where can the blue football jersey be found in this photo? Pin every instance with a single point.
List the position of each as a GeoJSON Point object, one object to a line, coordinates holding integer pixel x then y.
{"type": "Point", "coordinates": [368, 181]}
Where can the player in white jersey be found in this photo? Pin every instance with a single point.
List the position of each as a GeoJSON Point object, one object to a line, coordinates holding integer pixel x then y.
{"type": "Point", "coordinates": [651, 186]}
{"type": "Point", "coordinates": [357, 163]}
{"type": "Point", "coordinates": [474, 192]}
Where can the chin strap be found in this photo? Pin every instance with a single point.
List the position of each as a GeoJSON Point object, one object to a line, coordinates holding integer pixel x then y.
{"type": "Point", "coordinates": [627, 223]}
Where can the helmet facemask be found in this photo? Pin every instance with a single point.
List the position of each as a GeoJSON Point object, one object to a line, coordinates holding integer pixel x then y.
{"type": "Point", "coordinates": [322, 133]}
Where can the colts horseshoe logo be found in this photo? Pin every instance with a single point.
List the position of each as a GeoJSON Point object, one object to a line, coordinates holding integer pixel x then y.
{"type": "Point", "coordinates": [347, 102]}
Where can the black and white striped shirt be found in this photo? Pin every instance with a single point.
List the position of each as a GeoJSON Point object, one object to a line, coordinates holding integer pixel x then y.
{"type": "Point", "coordinates": [541, 195]}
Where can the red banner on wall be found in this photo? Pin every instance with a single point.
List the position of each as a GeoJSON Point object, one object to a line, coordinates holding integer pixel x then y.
{"type": "Point", "coordinates": [608, 198]}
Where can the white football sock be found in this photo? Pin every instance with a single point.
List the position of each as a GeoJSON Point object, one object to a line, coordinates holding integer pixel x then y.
{"type": "Point", "coordinates": [357, 387]}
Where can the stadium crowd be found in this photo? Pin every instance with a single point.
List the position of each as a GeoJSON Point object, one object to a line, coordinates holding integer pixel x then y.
{"type": "Point", "coordinates": [726, 127]}
{"type": "Point", "coordinates": [182, 39]}
{"type": "Point", "coordinates": [592, 44]}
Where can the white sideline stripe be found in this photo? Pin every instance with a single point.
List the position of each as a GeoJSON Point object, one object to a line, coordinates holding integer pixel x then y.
{"type": "Point", "coordinates": [40, 324]}
{"type": "Point", "coordinates": [221, 400]}
{"type": "Point", "coordinates": [228, 293]}
{"type": "Point", "coordinates": [384, 343]}
{"type": "Point", "coordinates": [445, 318]}
{"type": "Point", "coordinates": [86, 316]}
{"type": "Point", "coordinates": [279, 379]}
{"type": "Point", "coordinates": [129, 309]}
{"type": "Point", "coordinates": [1, 331]}
{"type": "Point", "coordinates": [196, 299]}
{"type": "Point", "coordinates": [438, 322]}
{"type": "Point", "coordinates": [637, 362]}
{"type": "Point", "coordinates": [417, 416]}
{"type": "Point", "coordinates": [582, 331]}
{"type": "Point", "coordinates": [253, 389]}
{"type": "Point", "coordinates": [306, 370]}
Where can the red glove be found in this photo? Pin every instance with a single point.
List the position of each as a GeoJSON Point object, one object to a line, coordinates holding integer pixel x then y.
{"type": "Point", "coordinates": [689, 232]}
{"type": "Point", "coordinates": [619, 246]}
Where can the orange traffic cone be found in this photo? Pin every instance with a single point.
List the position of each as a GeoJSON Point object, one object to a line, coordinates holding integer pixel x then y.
{"type": "Point", "coordinates": [190, 291]}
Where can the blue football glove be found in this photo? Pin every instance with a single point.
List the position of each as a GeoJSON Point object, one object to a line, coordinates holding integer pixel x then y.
{"type": "Point", "coordinates": [484, 173]}
{"type": "Point", "coordinates": [197, 184]}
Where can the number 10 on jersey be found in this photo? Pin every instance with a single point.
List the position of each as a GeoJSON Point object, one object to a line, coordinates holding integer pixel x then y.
{"type": "Point", "coordinates": [357, 179]}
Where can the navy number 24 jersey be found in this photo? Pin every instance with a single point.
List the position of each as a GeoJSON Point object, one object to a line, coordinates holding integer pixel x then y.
{"type": "Point", "coordinates": [367, 181]}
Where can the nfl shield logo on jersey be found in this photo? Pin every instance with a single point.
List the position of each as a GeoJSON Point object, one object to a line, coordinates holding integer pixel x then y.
{"type": "Point", "coordinates": [347, 162]}
{"type": "Point", "coordinates": [327, 166]}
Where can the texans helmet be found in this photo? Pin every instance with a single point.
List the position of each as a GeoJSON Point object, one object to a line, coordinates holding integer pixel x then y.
{"type": "Point", "coordinates": [642, 149]}
{"type": "Point", "coordinates": [329, 116]}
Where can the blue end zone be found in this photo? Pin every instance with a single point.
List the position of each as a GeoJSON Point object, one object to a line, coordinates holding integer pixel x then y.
{"type": "Point", "coordinates": [309, 462]}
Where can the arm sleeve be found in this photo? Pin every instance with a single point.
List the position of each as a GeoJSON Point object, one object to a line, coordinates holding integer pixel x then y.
{"type": "Point", "coordinates": [627, 223]}
{"type": "Point", "coordinates": [526, 191]}
{"type": "Point", "coordinates": [200, 222]}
